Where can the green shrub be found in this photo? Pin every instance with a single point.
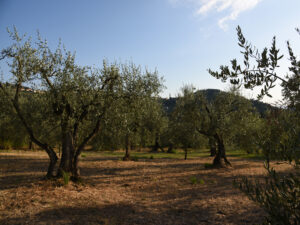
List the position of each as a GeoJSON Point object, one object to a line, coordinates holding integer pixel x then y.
{"type": "Point", "coordinates": [208, 165]}
{"type": "Point", "coordinates": [201, 181]}
{"type": "Point", "coordinates": [279, 196]}
{"type": "Point", "coordinates": [151, 157]}
{"type": "Point", "coordinates": [83, 155]}
{"type": "Point", "coordinates": [195, 180]}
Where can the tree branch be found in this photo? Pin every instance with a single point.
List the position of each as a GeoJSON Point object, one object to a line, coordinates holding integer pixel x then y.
{"type": "Point", "coordinates": [89, 136]}
{"type": "Point", "coordinates": [15, 102]}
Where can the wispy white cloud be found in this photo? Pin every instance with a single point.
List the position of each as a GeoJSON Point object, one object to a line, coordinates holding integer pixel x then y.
{"type": "Point", "coordinates": [233, 7]}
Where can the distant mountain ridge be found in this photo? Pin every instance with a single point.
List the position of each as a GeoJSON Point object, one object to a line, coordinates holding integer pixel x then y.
{"type": "Point", "coordinates": [210, 94]}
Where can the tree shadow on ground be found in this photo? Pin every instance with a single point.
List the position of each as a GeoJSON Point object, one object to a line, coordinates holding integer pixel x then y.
{"type": "Point", "coordinates": [24, 171]}
{"type": "Point", "coordinates": [159, 193]}
{"type": "Point", "coordinates": [139, 171]}
{"type": "Point", "coordinates": [22, 164]}
{"type": "Point", "coordinates": [128, 214]}
{"type": "Point", "coordinates": [14, 181]}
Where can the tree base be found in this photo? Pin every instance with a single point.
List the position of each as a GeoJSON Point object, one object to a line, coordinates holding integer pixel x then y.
{"type": "Point", "coordinates": [126, 158]}
{"type": "Point", "coordinates": [47, 177]}
{"type": "Point", "coordinates": [76, 179]}
{"type": "Point", "coordinates": [221, 163]}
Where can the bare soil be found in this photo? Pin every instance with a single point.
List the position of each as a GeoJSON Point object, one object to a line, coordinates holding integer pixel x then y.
{"type": "Point", "coordinates": [150, 191]}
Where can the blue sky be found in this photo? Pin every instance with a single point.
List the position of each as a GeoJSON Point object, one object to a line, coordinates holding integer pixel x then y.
{"type": "Point", "coordinates": [179, 38]}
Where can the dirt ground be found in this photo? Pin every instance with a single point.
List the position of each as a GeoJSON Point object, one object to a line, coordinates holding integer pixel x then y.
{"type": "Point", "coordinates": [150, 191]}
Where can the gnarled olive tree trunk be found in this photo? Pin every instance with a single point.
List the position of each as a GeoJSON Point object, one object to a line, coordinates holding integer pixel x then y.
{"type": "Point", "coordinates": [72, 150]}
{"type": "Point", "coordinates": [220, 159]}
{"type": "Point", "coordinates": [66, 161]}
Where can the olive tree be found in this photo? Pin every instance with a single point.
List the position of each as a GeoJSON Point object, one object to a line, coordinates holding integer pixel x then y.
{"type": "Point", "coordinates": [154, 125]}
{"type": "Point", "coordinates": [139, 92]}
{"type": "Point", "coordinates": [218, 120]}
{"type": "Point", "coordinates": [183, 126]}
{"type": "Point", "coordinates": [72, 100]}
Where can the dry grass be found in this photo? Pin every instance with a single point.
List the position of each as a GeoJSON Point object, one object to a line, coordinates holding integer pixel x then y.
{"type": "Point", "coordinates": [156, 191]}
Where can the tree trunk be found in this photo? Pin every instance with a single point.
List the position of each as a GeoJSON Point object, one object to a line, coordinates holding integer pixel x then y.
{"type": "Point", "coordinates": [53, 159]}
{"type": "Point", "coordinates": [66, 161]}
{"type": "Point", "coordinates": [170, 148]}
{"type": "Point", "coordinates": [213, 151]}
{"type": "Point", "coordinates": [127, 147]}
{"type": "Point", "coordinates": [75, 169]}
{"type": "Point", "coordinates": [220, 159]}
{"type": "Point", "coordinates": [185, 153]}
{"type": "Point", "coordinates": [143, 141]}
{"type": "Point", "coordinates": [213, 147]}
{"type": "Point", "coordinates": [127, 154]}
{"type": "Point", "coordinates": [30, 146]}
{"type": "Point", "coordinates": [156, 144]}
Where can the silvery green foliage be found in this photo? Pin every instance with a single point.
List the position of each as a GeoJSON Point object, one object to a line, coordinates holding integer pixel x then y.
{"type": "Point", "coordinates": [59, 86]}
{"type": "Point", "coordinates": [137, 112]}
{"type": "Point", "coordinates": [183, 123]}
{"type": "Point", "coordinates": [261, 73]}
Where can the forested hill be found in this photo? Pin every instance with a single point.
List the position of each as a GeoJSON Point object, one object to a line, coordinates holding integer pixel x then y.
{"type": "Point", "coordinates": [210, 94]}
{"type": "Point", "coordinates": [169, 103]}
